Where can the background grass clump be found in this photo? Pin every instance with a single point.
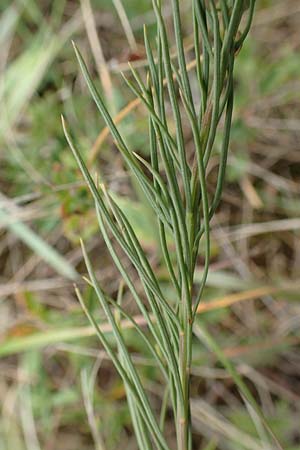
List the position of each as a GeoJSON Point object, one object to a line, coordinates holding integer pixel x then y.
{"type": "Point", "coordinates": [58, 390]}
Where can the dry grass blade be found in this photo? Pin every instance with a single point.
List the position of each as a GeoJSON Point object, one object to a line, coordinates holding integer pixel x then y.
{"type": "Point", "coordinates": [96, 47]}
{"type": "Point", "coordinates": [37, 340]}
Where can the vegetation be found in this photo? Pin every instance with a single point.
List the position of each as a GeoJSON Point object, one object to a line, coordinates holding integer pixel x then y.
{"type": "Point", "coordinates": [68, 394]}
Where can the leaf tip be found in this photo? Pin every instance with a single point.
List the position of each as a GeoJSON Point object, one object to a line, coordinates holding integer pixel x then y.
{"type": "Point", "coordinates": [64, 125]}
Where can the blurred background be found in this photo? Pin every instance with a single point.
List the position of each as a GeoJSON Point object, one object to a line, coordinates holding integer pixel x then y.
{"type": "Point", "coordinates": [58, 390]}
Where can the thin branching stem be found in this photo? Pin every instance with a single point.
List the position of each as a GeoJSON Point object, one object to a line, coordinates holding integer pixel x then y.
{"type": "Point", "coordinates": [175, 182]}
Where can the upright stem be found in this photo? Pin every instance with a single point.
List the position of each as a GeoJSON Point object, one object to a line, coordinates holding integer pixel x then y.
{"type": "Point", "coordinates": [185, 355]}
{"type": "Point", "coordinates": [182, 416]}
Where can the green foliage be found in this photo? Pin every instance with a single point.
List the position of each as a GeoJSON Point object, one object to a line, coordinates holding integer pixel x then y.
{"type": "Point", "coordinates": [177, 194]}
{"type": "Point", "coordinates": [39, 174]}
